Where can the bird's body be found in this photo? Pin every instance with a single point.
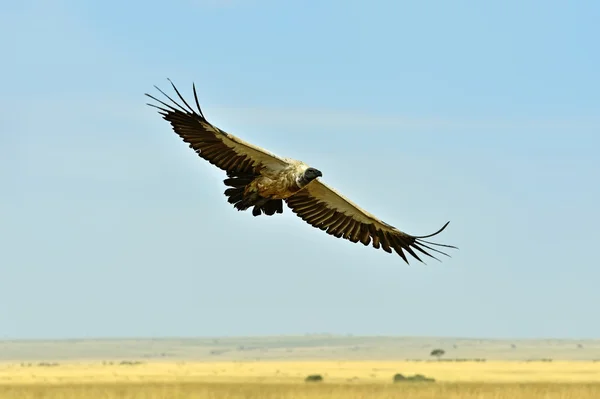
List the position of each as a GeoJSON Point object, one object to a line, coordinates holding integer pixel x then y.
{"type": "Point", "coordinates": [283, 183]}
{"type": "Point", "coordinates": [266, 189]}
{"type": "Point", "coordinates": [262, 181]}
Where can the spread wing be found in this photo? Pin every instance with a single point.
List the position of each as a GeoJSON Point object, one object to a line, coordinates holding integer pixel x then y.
{"type": "Point", "coordinates": [322, 207]}
{"type": "Point", "coordinates": [218, 147]}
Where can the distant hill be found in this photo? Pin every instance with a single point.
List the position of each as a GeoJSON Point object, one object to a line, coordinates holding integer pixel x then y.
{"type": "Point", "coordinates": [309, 347]}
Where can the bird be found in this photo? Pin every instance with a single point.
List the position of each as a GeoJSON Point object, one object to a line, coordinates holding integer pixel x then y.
{"type": "Point", "coordinates": [263, 181]}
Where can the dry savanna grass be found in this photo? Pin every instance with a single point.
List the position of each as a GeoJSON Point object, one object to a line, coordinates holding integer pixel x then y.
{"type": "Point", "coordinates": [302, 391]}
{"type": "Point", "coordinates": [295, 371]}
{"type": "Point", "coordinates": [285, 379]}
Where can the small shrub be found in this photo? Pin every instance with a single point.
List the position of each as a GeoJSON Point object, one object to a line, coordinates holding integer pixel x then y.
{"type": "Point", "coordinates": [46, 364]}
{"type": "Point", "coordinates": [412, 378]}
{"type": "Point", "coordinates": [130, 363]}
{"type": "Point", "coordinates": [421, 377]}
{"type": "Point", "coordinates": [314, 378]}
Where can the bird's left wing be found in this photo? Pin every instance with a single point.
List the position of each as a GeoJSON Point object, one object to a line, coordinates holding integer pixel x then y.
{"type": "Point", "coordinates": [324, 208]}
{"type": "Point", "coordinates": [218, 147]}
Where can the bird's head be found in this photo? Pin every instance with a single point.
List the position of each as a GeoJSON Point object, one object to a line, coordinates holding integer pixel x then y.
{"type": "Point", "coordinates": [311, 173]}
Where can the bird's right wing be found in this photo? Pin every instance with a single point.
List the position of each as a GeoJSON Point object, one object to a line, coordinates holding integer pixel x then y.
{"type": "Point", "coordinates": [224, 150]}
{"type": "Point", "coordinates": [324, 208]}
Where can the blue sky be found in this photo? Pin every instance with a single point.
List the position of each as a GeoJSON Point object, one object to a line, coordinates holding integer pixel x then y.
{"type": "Point", "coordinates": [485, 114]}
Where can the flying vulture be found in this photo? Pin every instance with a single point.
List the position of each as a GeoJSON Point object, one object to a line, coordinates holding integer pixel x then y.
{"type": "Point", "coordinates": [259, 179]}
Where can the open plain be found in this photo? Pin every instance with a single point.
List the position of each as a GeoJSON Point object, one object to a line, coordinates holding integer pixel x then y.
{"type": "Point", "coordinates": [276, 367]}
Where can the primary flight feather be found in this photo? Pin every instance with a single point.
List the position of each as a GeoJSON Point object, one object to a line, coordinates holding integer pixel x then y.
{"type": "Point", "coordinates": [259, 179]}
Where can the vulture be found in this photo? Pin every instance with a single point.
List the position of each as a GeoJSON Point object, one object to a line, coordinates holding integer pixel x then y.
{"type": "Point", "coordinates": [263, 181]}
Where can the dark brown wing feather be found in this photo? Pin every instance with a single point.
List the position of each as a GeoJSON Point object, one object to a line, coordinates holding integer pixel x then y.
{"type": "Point", "coordinates": [218, 147]}
{"type": "Point", "coordinates": [324, 208]}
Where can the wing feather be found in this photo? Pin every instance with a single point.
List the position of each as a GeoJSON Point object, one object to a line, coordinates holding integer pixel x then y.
{"type": "Point", "coordinates": [218, 147]}
{"type": "Point", "coordinates": [324, 208]}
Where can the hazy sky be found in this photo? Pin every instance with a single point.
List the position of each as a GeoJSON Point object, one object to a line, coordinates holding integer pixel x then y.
{"type": "Point", "coordinates": [487, 115]}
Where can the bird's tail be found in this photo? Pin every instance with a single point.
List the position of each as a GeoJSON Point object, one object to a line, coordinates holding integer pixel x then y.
{"type": "Point", "coordinates": [242, 201]}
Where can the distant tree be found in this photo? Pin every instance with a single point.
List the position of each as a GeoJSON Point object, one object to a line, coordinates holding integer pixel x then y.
{"type": "Point", "coordinates": [437, 353]}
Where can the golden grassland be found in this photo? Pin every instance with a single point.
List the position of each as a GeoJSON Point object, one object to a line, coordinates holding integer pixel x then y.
{"type": "Point", "coordinates": [305, 391]}
{"type": "Point", "coordinates": [285, 379]}
{"type": "Point", "coordinates": [295, 371]}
